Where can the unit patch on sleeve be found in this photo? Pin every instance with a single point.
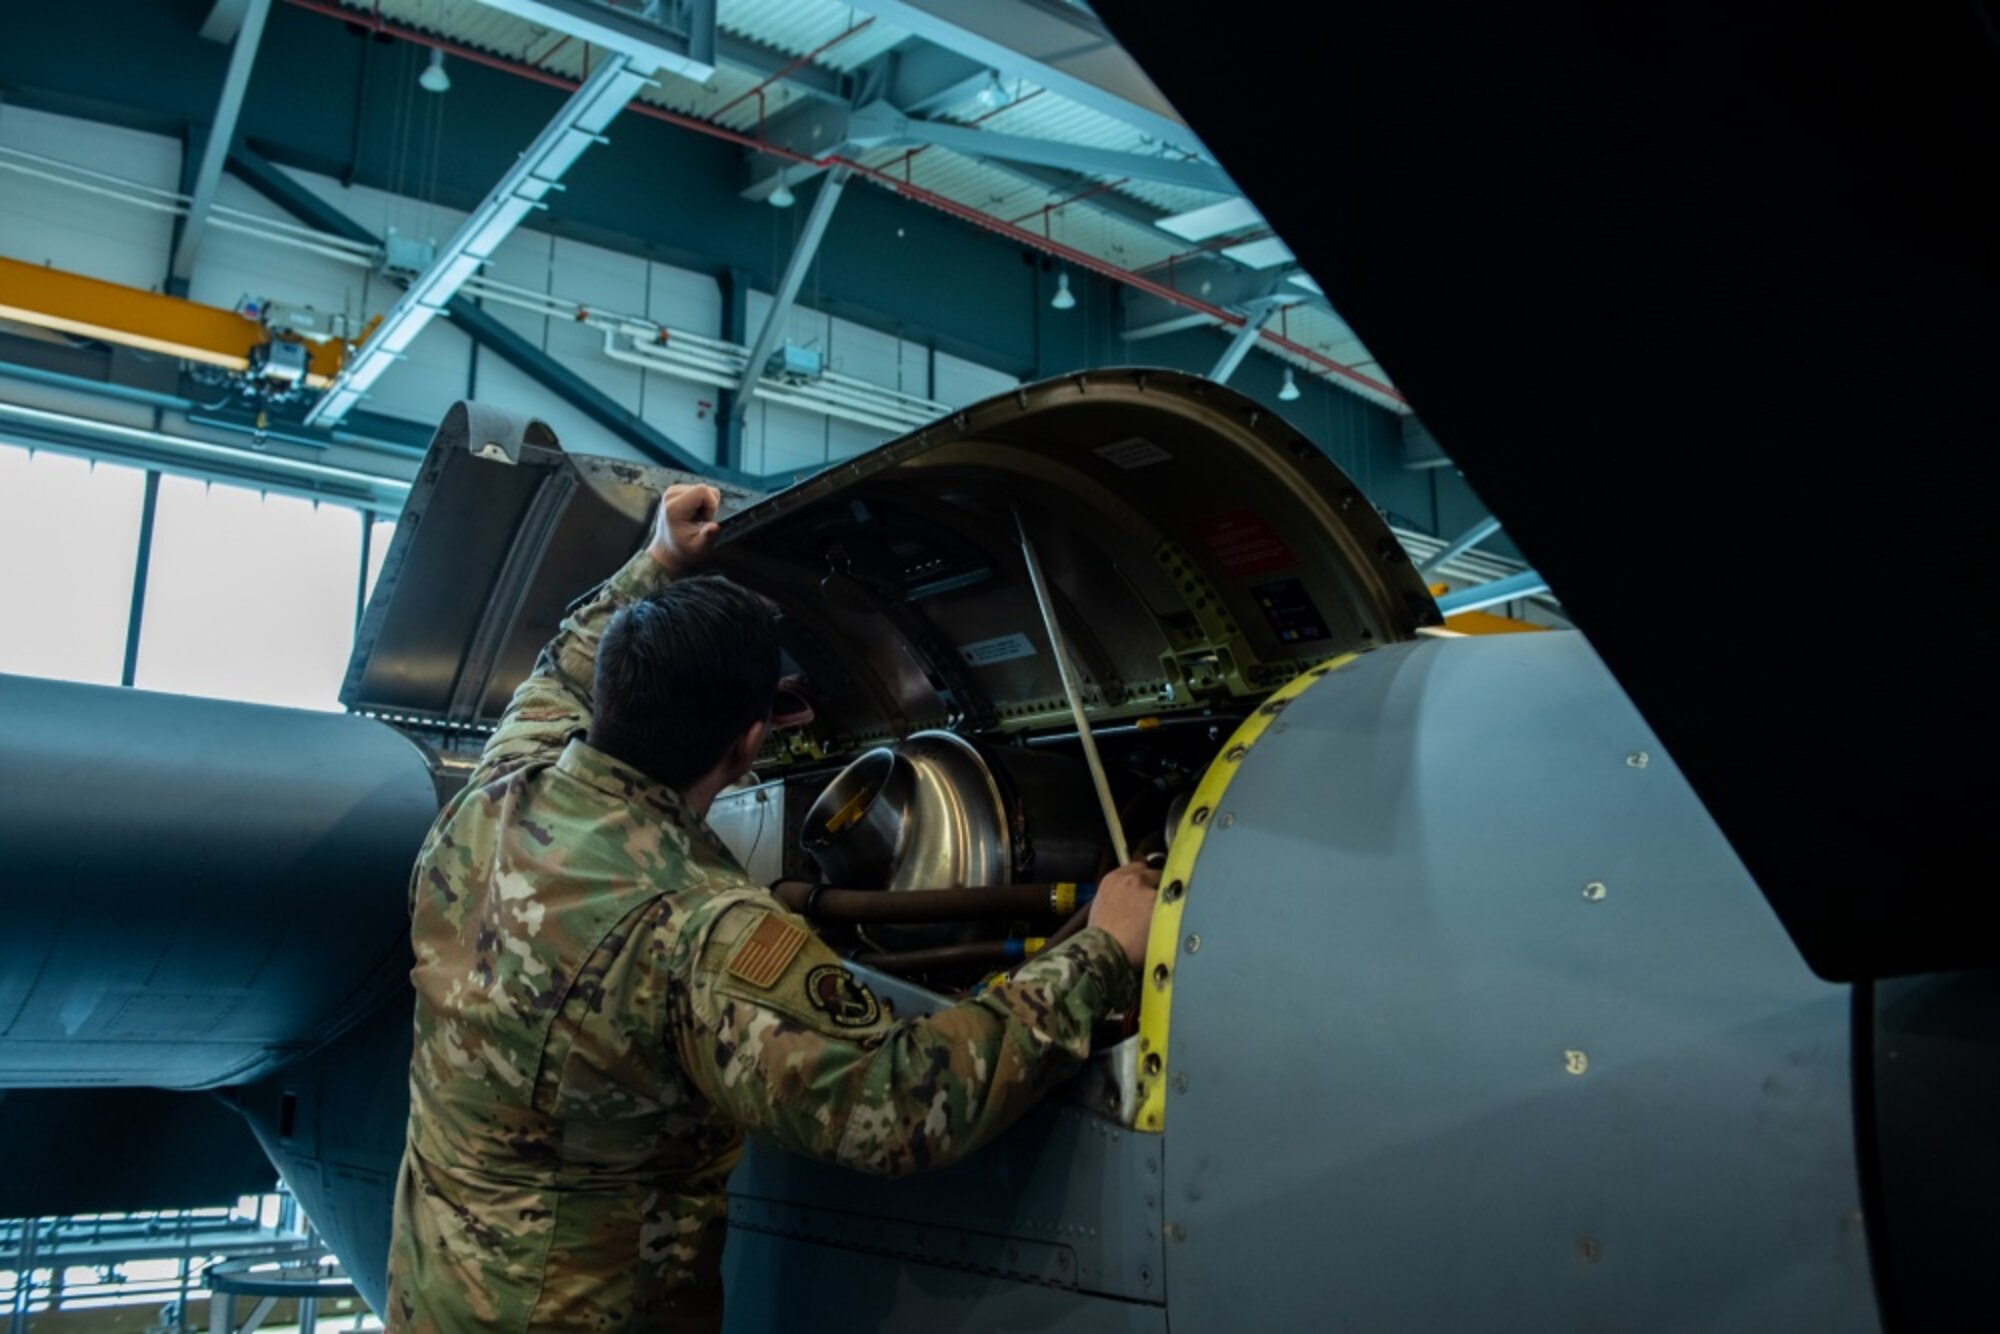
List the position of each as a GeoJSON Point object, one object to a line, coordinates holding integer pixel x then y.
{"type": "Point", "coordinates": [834, 992]}
{"type": "Point", "coordinates": [761, 959]}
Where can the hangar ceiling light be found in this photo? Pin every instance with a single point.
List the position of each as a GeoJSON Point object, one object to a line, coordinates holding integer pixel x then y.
{"type": "Point", "coordinates": [434, 79]}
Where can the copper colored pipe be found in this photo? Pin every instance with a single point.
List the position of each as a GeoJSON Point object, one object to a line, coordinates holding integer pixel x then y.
{"type": "Point", "coordinates": [984, 902]}
{"type": "Point", "coordinates": [978, 954]}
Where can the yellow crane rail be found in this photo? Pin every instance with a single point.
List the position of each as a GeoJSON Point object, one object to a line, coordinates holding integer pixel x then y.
{"type": "Point", "coordinates": [111, 312]}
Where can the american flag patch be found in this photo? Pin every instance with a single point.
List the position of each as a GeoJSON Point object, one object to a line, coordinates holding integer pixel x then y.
{"type": "Point", "coordinates": [760, 960]}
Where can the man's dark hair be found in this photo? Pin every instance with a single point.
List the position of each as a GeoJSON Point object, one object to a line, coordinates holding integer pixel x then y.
{"type": "Point", "coordinates": [681, 674]}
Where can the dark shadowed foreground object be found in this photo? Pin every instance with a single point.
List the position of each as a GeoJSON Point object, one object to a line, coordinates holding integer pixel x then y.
{"type": "Point", "coordinates": [1700, 297]}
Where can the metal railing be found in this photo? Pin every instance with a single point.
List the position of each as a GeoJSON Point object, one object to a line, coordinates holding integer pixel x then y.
{"type": "Point", "coordinates": [171, 1259]}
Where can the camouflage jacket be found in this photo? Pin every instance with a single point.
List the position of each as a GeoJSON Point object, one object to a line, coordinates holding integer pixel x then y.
{"type": "Point", "coordinates": [605, 1002]}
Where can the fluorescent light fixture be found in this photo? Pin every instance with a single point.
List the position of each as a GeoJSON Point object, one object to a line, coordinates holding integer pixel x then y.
{"type": "Point", "coordinates": [1289, 391]}
{"type": "Point", "coordinates": [434, 79]}
{"type": "Point", "coordinates": [1268, 253]}
{"type": "Point", "coordinates": [1231, 215]}
{"type": "Point", "coordinates": [1064, 299]}
{"type": "Point", "coordinates": [992, 94]}
{"type": "Point", "coordinates": [782, 197]}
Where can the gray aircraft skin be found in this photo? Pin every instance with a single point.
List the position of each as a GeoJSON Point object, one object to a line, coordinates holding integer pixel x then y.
{"type": "Point", "coordinates": [1459, 1010]}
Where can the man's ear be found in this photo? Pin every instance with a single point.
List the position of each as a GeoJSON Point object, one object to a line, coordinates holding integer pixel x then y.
{"type": "Point", "coordinates": [743, 755]}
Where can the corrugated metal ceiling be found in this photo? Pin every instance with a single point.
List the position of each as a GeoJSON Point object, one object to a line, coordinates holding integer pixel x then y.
{"type": "Point", "coordinates": [795, 28]}
{"type": "Point", "coordinates": [798, 26]}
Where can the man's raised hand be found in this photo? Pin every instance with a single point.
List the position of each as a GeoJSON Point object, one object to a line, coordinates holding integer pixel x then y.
{"type": "Point", "coordinates": [684, 529]}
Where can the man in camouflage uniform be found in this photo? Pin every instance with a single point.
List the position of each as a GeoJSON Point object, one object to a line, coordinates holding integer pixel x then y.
{"type": "Point", "coordinates": [605, 1002]}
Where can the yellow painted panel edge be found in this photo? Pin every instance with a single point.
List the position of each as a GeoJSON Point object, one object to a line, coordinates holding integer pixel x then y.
{"type": "Point", "coordinates": [1163, 944]}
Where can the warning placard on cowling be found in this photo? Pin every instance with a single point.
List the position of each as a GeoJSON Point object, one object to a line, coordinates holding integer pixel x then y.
{"type": "Point", "coordinates": [1243, 544]}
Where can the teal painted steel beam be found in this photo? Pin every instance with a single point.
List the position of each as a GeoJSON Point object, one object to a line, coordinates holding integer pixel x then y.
{"type": "Point", "coordinates": [281, 189]}
{"type": "Point", "coordinates": [523, 189]}
{"type": "Point", "coordinates": [1523, 585]}
{"type": "Point", "coordinates": [242, 55]}
{"type": "Point", "coordinates": [1062, 48]}
{"type": "Point", "coordinates": [486, 330]}
{"type": "Point", "coordinates": [880, 123]}
{"type": "Point", "coordinates": [788, 287]}
{"type": "Point", "coordinates": [1239, 346]}
{"type": "Point", "coordinates": [1461, 544]}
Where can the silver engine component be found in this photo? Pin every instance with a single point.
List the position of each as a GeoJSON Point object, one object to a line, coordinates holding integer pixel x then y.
{"type": "Point", "coordinates": [936, 812]}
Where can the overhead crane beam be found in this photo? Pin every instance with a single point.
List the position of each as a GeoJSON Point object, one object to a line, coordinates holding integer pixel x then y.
{"type": "Point", "coordinates": [113, 313]}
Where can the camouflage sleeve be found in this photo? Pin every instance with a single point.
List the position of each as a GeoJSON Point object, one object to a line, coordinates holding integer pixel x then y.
{"type": "Point", "coordinates": [782, 1038]}
{"type": "Point", "coordinates": [554, 702]}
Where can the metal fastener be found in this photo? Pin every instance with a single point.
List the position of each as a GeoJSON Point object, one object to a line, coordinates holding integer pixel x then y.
{"type": "Point", "coordinates": [1638, 759]}
{"type": "Point", "coordinates": [1180, 1083]}
{"type": "Point", "coordinates": [1174, 889]}
{"type": "Point", "coordinates": [1175, 1232]}
{"type": "Point", "coordinates": [1235, 752]}
{"type": "Point", "coordinates": [1192, 944]}
{"type": "Point", "coordinates": [1161, 975]}
{"type": "Point", "coordinates": [1576, 1062]}
{"type": "Point", "coordinates": [1594, 891]}
{"type": "Point", "coordinates": [1227, 819]}
{"type": "Point", "coordinates": [1201, 814]}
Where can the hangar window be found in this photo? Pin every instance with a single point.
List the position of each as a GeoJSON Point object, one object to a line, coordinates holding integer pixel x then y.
{"type": "Point", "coordinates": [69, 536]}
{"type": "Point", "coordinates": [249, 596]}
{"type": "Point", "coordinates": [380, 531]}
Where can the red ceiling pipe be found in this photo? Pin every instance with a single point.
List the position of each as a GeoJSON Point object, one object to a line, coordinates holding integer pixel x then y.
{"type": "Point", "coordinates": [942, 203]}
{"type": "Point", "coordinates": [796, 65]}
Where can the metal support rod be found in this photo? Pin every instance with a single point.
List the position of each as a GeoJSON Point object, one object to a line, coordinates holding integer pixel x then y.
{"type": "Point", "coordinates": [977, 954]}
{"type": "Point", "coordinates": [361, 576]}
{"type": "Point", "coordinates": [24, 1279]}
{"type": "Point", "coordinates": [788, 286]}
{"type": "Point", "coordinates": [142, 565]}
{"type": "Point", "coordinates": [983, 902]}
{"type": "Point", "coordinates": [1060, 649]}
{"type": "Point", "coordinates": [215, 152]}
{"type": "Point", "coordinates": [1461, 544]}
{"type": "Point", "coordinates": [1239, 346]}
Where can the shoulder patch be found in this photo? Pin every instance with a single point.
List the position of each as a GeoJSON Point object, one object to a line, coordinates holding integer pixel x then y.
{"type": "Point", "coordinates": [763, 955]}
{"type": "Point", "coordinates": [836, 993]}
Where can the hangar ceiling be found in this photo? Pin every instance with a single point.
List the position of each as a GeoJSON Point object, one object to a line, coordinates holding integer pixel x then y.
{"type": "Point", "coordinates": [1074, 153]}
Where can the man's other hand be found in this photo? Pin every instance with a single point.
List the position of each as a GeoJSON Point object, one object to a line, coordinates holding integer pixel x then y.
{"type": "Point", "coordinates": [1124, 907]}
{"type": "Point", "coordinates": [685, 529]}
